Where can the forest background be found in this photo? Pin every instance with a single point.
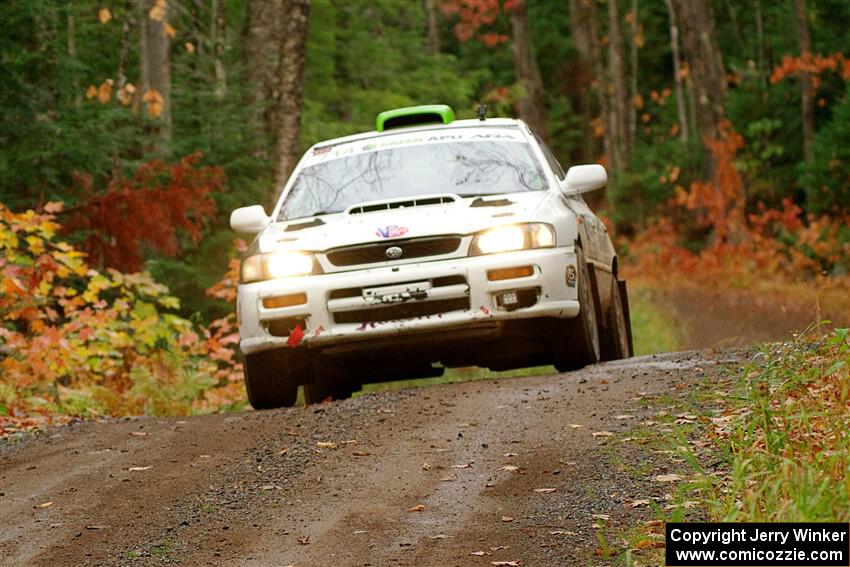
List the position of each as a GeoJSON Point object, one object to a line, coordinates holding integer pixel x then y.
{"type": "Point", "coordinates": [129, 130]}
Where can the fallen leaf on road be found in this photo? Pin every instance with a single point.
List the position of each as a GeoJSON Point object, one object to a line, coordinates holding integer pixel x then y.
{"type": "Point", "coordinates": [595, 526]}
{"type": "Point", "coordinates": [426, 467]}
{"type": "Point", "coordinates": [637, 503]}
{"type": "Point", "coordinates": [449, 478]}
{"type": "Point", "coordinates": [417, 508]}
{"type": "Point", "coordinates": [357, 532]}
{"type": "Point", "coordinates": [510, 468]}
{"type": "Point", "coordinates": [509, 455]}
{"type": "Point", "coordinates": [96, 527]}
{"type": "Point", "coordinates": [463, 466]}
{"type": "Point", "coordinates": [624, 416]}
{"type": "Point", "coordinates": [644, 543]}
{"type": "Point", "coordinates": [326, 445]}
{"type": "Point", "coordinates": [668, 478]}
{"type": "Point", "coordinates": [545, 490]}
{"type": "Point", "coordinates": [45, 504]}
{"type": "Point", "coordinates": [439, 536]}
{"type": "Point", "coordinates": [500, 547]}
{"type": "Point", "coordinates": [507, 519]}
{"type": "Point", "coordinates": [575, 425]}
{"type": "Point", "coordinates": [137, 469]}
{"type": "Point", "coordinates": [304, 540]}
{"type": "Point", "coordinates": [138, 433]}
{"type": "Point", "coordinates": [605, 517]}
{"type": "Point", "coordinates": [602, 434]}
{"type": "Point", "coordinates": [562, 532]}
{"type": "Point", "coordinates": [479, 553]}
{"type": "Point", "coordinates": [505, 563]}
{"type": "Point", "coordinates": [350, 442]}
{"type": "Point", "coordinates": [282, 452]}
{"type": "Point", "coordinates": [361, 453]}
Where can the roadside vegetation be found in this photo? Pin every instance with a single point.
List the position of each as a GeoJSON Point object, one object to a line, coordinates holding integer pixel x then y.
{"type": "Point", "coordinates": [762, 442]}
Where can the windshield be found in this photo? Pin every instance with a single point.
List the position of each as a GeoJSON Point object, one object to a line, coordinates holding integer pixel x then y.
{"type": "Point", "coordinates": [467, 168]}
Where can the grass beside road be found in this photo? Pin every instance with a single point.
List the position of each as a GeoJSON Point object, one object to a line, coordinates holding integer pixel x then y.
{"type": "Point", "coordinates": [769, 442]}
{"type": "Point", "coordinates": [788, 435]}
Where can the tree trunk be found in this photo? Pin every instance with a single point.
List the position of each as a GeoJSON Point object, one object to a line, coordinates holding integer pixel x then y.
{"type": "Point", "coordinates": [705, 68]}
{"type": "Point", "coordinates": [218, 29]}
{"type": "Point", "coordinates": [433, 29]}
{"type": "Point", "coordinates": [617, 72]}
{"type": "Point", "coordinates": [532, 105]}
{"type": "Point", "coordinates": [293, 42]}
{"type": "Point", "coordinates": [633, 79]}
{"type": "Point", "coordinates": [263, 23]}
{"type": "Point", "coordinates": [599, 73]}
{"type": "Point", "coordinates": [72, 55]}
{"type": "Point", "coordinates": [155, 61]}
{"type": "Point", "coordinates": [582, 75]}
{"type": "Point", "coordinates": [807, 98]}
{"type": "Point", "coordinates": [681, 109]}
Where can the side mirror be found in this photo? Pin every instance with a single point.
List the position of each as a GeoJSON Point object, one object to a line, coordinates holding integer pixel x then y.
{"type": "Point", "coordinates": [584, 178]}
{"type": "Point", "coordinates": [249, 220]}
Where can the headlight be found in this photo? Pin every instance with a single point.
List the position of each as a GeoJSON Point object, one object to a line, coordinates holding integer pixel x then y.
{"type": "Point", "coordinates": [276, 265]}
{"type": "Point", "coordinates": [513, 237]}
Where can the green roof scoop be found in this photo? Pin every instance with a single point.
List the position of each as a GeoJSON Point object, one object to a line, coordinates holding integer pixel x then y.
{"type": "Point", "coordinates": [414, 116]}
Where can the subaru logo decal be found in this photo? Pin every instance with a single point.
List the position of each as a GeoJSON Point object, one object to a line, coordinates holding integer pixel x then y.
{"type": "Point", "coordinates": [394, 252]}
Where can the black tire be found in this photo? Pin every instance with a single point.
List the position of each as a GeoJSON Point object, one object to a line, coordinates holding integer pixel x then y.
{"type": "Point", "coordinates": [330, 382]}
{"type": "Point", "coordinates": [575, 343]}
{"type": "Point", "coordinates": [615, 342]}
{"type": "Point", "coordinates": [269, 379]}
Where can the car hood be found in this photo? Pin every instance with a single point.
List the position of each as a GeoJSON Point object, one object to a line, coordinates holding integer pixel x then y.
{"type": "Point", "coordinates": [463, 216]}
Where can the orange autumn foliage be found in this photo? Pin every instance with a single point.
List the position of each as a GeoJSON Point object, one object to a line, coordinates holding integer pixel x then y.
{"type": "Point", "coordinates": [78, 341]}
{"type": "Point", "coordinates": [743, 247]}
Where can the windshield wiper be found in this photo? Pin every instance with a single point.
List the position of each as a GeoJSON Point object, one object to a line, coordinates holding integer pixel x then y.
{"type": "Point", "coordinates": [306, 224]}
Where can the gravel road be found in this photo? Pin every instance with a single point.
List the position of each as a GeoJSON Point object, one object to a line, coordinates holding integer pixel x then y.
{"type": "Point", "coordinates": [476, 473]}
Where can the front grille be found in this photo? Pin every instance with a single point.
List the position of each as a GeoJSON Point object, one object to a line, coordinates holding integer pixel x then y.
{"type": "Point", "coordinates": [377, 251]}
{"type": "Point", "coordinates": [409, 310]}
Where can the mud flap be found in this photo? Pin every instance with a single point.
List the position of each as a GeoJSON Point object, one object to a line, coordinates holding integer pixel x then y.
{"type": "Point", "coordinates": [600, 321]}
{"type": "Point", "coordinates": [624, 298]}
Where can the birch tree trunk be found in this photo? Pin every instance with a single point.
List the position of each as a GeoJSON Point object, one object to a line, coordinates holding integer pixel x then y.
{"type": "Point", "coordinates": [293, 40]}
{"type": "Point", "coordinates": [807, 94]}
{"type": "Point", "coordinates": [599, 74]}
{"type": "Point", "coordinates": [218, 30]}
{"type": "Point", "coordinates": [681, 109]}
{"type": "Point", "coordinates": [531, 106]}
{"type": "Point", "coordinates": [433, 29]}
{"type": "Point", "coordinates": [155, 62]}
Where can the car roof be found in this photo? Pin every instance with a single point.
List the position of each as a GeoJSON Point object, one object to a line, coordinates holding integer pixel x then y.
{"type": "Point", "coordinates": [489, 122]}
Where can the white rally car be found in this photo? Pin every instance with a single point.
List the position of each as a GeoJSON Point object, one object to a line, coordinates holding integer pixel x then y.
{"type": "Point", "coordinates": [429, 243]}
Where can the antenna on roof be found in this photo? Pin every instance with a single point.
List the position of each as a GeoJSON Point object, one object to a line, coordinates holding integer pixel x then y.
{"type": "Point", "coordinates": [482, 112]}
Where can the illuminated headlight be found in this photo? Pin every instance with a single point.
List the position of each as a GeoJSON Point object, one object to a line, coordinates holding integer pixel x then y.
{"type": "Point", "coordinates": [276, 265]}
{"type": "Point", "coordinates": [513, 237]}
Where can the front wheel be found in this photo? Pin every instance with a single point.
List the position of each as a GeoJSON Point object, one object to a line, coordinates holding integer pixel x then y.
{"type": "Point", "coordinates": [270, 380]}
{"type": "Point", "coordinates": [575, 342]}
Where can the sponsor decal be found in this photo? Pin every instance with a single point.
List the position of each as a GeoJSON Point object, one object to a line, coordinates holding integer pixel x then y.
{"type": "Point", "coordinates": [391, 231]}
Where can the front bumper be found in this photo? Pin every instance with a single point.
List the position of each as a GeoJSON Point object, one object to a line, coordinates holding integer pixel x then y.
{"type": "Point", "coordinates": [467, 279]}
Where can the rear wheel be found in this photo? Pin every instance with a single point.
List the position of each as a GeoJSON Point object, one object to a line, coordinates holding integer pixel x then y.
{"type": "Point", "coordinates": [575, 342]}
{"type": "Point", "coordinates": [615, 344]}
{"type": "Point", "coordinates": [270, 380]}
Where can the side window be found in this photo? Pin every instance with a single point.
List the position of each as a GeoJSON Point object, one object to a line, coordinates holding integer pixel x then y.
{"type": "Point", "coordinates": [551, 159]}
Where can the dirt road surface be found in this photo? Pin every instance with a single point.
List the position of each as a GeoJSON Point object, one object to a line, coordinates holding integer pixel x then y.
{"type": "Point", "coordinates": [524, 470]}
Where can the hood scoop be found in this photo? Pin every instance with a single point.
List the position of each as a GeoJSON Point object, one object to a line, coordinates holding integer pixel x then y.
{"type": "Point", "coordinates": [376, 206]}
{"type": "Point", "coordinates": [481, 202]}
{"type": "Point", "coordinates": [301, 225]}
